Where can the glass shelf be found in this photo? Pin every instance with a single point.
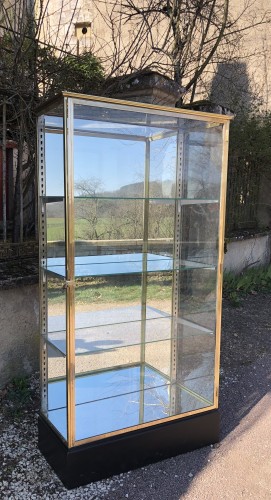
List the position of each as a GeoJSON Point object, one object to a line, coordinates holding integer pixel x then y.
{"type": "Point", "coordinates": [112, 265]}
{"type": "Point", "coordinates": [96, 332]}
{"type": "Point", "coordinates": [183, 201]}
{"type": "Point", "coordinates": [121, 398]}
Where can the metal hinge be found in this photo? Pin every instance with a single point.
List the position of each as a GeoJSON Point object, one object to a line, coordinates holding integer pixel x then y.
{"type": "Point", "coordinates": [68, 284]}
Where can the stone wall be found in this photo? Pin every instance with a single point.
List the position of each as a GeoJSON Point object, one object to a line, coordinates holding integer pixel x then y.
{"type": "Point", "coordinates": [242, 253]}
{"type": "Point", "coordinates": [19, 310]}
{"type": "Point", "coordinates": [19, 320]}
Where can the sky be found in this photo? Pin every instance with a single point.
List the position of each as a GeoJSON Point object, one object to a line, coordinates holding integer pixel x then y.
{"type": "Point", "coordinates": [111, 163]}
{"type": "Point", "coordinates": [114, 162]}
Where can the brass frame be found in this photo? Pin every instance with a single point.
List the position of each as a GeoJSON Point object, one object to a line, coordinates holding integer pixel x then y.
{"type": "Point", "coordinates": [70, 253]}
{"type": "Point", "coordinates": [135, 106]}
{"type": "Point", "coordinates": [69, 100]}
{"type": "Point", "coordinates": [222, 213]}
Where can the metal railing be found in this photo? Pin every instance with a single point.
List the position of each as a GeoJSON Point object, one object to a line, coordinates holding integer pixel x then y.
{"type": "Point", "coordinates": [242, 195]}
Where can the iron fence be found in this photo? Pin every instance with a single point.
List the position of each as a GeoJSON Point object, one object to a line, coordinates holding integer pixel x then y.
{"type": "Point", "coordinates": [242, 195]}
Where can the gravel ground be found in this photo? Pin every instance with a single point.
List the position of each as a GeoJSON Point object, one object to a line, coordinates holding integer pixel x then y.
{"type": "Point", "coordinates": [245, 380]}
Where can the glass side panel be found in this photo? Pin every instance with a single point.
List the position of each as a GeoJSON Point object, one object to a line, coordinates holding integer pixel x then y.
{"type": "Point", "coordinates": [202, 155]}
{"type": "Point", "coordinates": [52, 222]}
{"type": "Point", "coordinates": [162, 179]}
{"type": "Point", "coordinates": [197, 297]}
{"type": "Point", "coordinates": [199, 233]}
{"type": "Point", "coordinates": [55, 229]}
{"type": "Point", "coordinates": [54, 185]}
{"type": "Point", "coordinates": [194, 331]}
{"type": "Point", "coordinates": [196, 244]}
{"type": "Point", "coordinates": [56, 297]}
{"type": "Point", "coordinates": [54, 156]}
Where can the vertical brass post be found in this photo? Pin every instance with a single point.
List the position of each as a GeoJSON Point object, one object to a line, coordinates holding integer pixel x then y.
{"type": "Point", "coordinates": [144, 277]}
{"type": "Point", "coordinates": [222, 213]}
{"type": "Point", "coordinates": [70, 253]}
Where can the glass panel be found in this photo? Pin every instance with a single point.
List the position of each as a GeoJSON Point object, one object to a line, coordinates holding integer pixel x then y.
{"type": "Point", "coordinates": [106, 167]}
{"type": "Point", "coordinates": [194, 327]}
{"type": "Point", "coordinates": [163, 155]}
{"type": "Point", "coordinates": [107, 292]}
{"type": "Point", "coordinates": [53, 238]}
{"type": "Point", "coordinates": [108, 225]}
{"type": "Point", "coordinates": [54, 160]}
{"type": "Point", "coordinates": [161, 215]}
{"type": "Point", "coordinates": [199, 234]}
{"type": "Point", "coordinates": [55, 222]}
{"type": "Point", "coordinates": [201, 173]}
{"type": "Point", "coordinates": [197, 297]}
{"type": "Point", "coordinates": [196, 245]}
{"type": "Point", "coordinates": [56, 297]}
{"type": "Point", "coordinates": [54, 168]}
{"type": "Point", "coordinates": [112, 120]}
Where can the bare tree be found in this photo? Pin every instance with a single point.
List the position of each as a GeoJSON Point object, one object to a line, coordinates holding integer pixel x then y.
{"type": "Point", "coordinates": [180, 38]}
{"type": "Point", "coordinates": [104, 217]}
{"type": "Point", "coordinates": [30, 71]}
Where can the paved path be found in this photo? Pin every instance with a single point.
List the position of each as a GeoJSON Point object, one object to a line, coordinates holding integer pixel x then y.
{"type": "Point", "coordinates": [242, 467]}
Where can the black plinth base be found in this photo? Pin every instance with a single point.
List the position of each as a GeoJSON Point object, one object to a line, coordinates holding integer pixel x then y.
{"type": "Point", "coordinates": [93, 461]}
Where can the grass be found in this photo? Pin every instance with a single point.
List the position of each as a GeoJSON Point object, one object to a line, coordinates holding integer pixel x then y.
{"type": "Point", "coordinates": [18, 395]}
{"type": "Point", "coordinates": [107, 228]}
{"type": "Point", "coordinates": [251, 281]}
{"type": "Point", "coordinates": [55, 229]}
{"type": "Point", "coordinates": [119, 289]}
{"type": "Point", "coordinates": [114, 289]}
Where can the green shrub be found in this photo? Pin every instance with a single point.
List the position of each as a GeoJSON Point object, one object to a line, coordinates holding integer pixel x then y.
{"type": "Point", "coordinates": [250, 281]}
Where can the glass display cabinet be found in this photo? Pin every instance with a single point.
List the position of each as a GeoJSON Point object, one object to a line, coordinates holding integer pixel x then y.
{"type": "Point", "coordinates": [131, 210]}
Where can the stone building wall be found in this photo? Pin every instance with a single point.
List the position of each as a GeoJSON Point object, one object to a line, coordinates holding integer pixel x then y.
{"type": "Point", "coordinates": [62, 27]}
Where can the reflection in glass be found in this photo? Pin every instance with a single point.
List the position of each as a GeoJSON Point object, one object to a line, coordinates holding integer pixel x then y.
{"type": "Point", "coordinates": [55, 228]}
{"type": "Point", "coordinates": [202, 162]}
{"type": "Point", "coordinates": [56, 298]}
{"type": "Point", "coordinates": [99, 220]}
{"type": "Point", "coordinates": [199, 229]}
{"type": "Point", "coordinates": [114, 399]}
{"type": "Point", "coordinates": [197, 297]}
{"type": "Point", "coordinates": [54, 199]}
{"type": "Point", "coordinates": [163, 167]}
{"type": "Point", "coordinates": [54, 163]}
{"type": "Point", "coordinates": [108, 168]}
